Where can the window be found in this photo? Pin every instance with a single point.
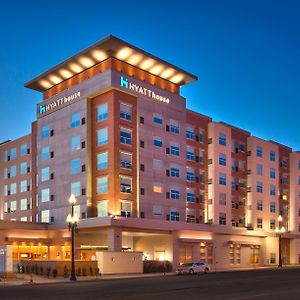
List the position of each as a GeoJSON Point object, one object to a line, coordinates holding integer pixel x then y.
{"type": "Point", "coordinates": [175, 193]}
{"type": "Point", "coordinates": [222, 178]}
{"type": "Point", "coordinates": [190, 195]}
{"type": "Point", "coordinates": [75, 166]}
{"type": "Point", "coordinates": [259, 205]}
{"type": "Point", "coordinates": [13, 153]}
{"type": "Point", "coordinates": [201, 176]}
{"type": "Point", "coordinates": [232, 183]}
{"type": "Point", "coordinates": [102, 136]}
{"type": "Point", "coordinates": [5, 190]}
{"type": "Point", "coordinates": [272, 190]}
{"type": "Point", "coordinates": [125, 160]}
{"type": "Point", "coordinates": [157, 164]}
{"type": "Point", "coordinates": [174, 172]}
{"type": "Point", "coordinates": [174, 126]}
{"type": "Point", "coordinates": [222, 139]}
{"type": "Point", "coordinates": [190, 154]}
{"type": "Point", "coordinates": [241, 146]}
{"type": "Point", "coordinates": [13, 188]}
{"type": "Point", "coordinates": [76, 188]}
{"type": "Point", "coordinates": [75, 120]}
{"type": "Point", "coordinates": [45, 195]}
{"type": "Point", "coordinates": [23, 150]}
{"type": "Point", "coordinates": [272, 155]}
{"type": "Point", "coordinates": [157, 141]}
{"type": "Point", "coordinates": [102, 208]}
{"type": "Point", "coordinates": [45, 174]}
{"type": "Point", "coordinates": [259, 187]}
{"type": "Point", "coordinates": [45, 132]}
{"type": "Point", "coordinates": [125, 136]}
{"type": "Point", "coordinates": [102, 185]}
{"type": "Point", "coordinates": [174, 150]}
{"type": "Point", "coordinates": [126, 209]}
{"type": "Point", "coordinates": [75, 143]}
{"type": "Point", "coordinates": [189, 133]}
{"type": "Point", "coordinates": [5, 156]}
{"type": "Point", "coordinates": [23, 205]}
{"type": "Point", "coordinates": [45, 216]}
{"type": "Point", "coordinates": [190, 217]}
{"type": "Point", "coordinates": [157, 211]}
{"type": "Point", "coordinates": [201, 136]}
{"type": "Point", "coordinates": [222, 159]}
{"type": "Point", "coordinates": [125, 111]}
{"type": "Point", "coordinates": [102, 161]}
{"type": "Point", "coordinates": [259, 223]}
{"type": "Point", "coordinates": [259, 169]}
{"type": "Point", "coordinates": [273, 207]}
{"type": "Point", "coordinates": [45, 153]}
{"type": "Point", "coordinates": [5, 173]}
{"type": "Point", "coordinates": [259, 151]}
{"type": "Point", "coordinates": [174, 215]}
{"type": "Point", "coordinates": [190, 174]}
{"type": "Point", "coordinates": [102, 112]}
{"type": "Point", "coordinates": [23, 168]}
{"type": "Point", "coordinates": [272, 258]}
{"type": "Point", "coordinates": [13, 206]}
{"type": "Point", "coordinates": [125, 184]}
{"type": "Point", "coordinates": [222, 218]}
{"type": "Point", "coordinates": [222, 198]}
{"type": "Point", "coordinates": [157, 119]}
{"type": "Point", "coordinates": [272, 173]}
{"type": "Point", "coordinates": [13, 171]}
{"type": "Point", "coordinates": [23, 186]}
{"type": "Point", "coordinates": [299, 165]}
{"type": "Point", "coordinates": [272, 224]}
{"type": "Point", "coordinates": [157, 188]}
{"type": "Point", "coordinates": [201, 156]}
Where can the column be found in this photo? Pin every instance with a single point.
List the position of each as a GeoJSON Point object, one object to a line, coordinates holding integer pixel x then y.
{"type": "Point", "coordinates": [175, 247]}
{"type": "Point", "coordinates": [114, 239]}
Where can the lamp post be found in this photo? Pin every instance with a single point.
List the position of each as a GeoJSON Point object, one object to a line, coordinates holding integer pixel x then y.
{"type": "Point", "coordinates": [280, 230]}
{"type": "Point", "coordinates": [72, 219]}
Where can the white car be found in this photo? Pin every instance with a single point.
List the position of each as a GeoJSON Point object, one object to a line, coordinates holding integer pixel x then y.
{"type": "Point", "coordinates": [192, 268]}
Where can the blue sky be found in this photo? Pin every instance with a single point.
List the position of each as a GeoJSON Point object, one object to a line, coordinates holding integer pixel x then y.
{"type": "Point", "coordinates": [245, 53]}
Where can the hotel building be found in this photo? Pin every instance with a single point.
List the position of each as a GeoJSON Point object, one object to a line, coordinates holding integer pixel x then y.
{"type": "Point", "coordinates": [149, 174]}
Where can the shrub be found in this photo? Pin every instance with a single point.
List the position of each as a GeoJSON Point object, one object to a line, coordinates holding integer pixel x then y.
{"type": "Point", "coordinates": [66, 272]}
{"type": "Point", "coordinates": [91, 271]}
{"type": "Point", "coordinates": [154, 266]}
{"type": "Point", "coordinates": [54, 273]}
{"type": "Point", "coordinates": [84, 271]}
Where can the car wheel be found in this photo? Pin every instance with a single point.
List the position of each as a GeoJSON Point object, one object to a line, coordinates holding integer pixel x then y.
{"type": "Point", "coordinates": [206, 270]}
{"type": "Point", "coordinates": [191, 272]}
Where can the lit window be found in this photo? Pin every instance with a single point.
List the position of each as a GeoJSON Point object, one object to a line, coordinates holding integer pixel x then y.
{"type": "Point", "coordinates": [102, 113]}
{"type": "Point", "coordinates": [102, 185]}
{"type": "Point", "coordinates": [75, 166]}
{"type": "Point", "coordinates": [102, 136]}
{"type": "Point", "coordinates": [125, 184]}
{"type": "Point", "coordinates": [75, 120]}
{"type": "Point", "coordinates": [23, 150]}
{"type": "Point", "coordinates": [45, 216]}
{"type": "Point", "coordinates": [45, 132]}
{"type": "Point", "coordinates": [23, 186]}
{"type": "Point", "coordinates": [45, 153]}
{"type": "Point", "coordinates": [75, 142]}
{"type": "Point", "coordinates": [102, 208]}
{"type": "Point", "coordinates": [125, 136]}
{"type": "Point", "coordinates": [126, 209]}
{"type": "Point", "coordinates": [75, 188]}
{"type": "Point", "coordinates": [45, 174]}
{"type": "Point", "coordinates": [23, 168]}
{"type": "Point", "coordinates": [102, 161]}
{"type": "Point", "coordinates": [23, 205]}
{"type": "Point", "coordinates": [13, 206]}
{"type": "Point", "coordinates": [125, 111]}
{"type": "Point", "coordinates": [45, 195]}
{"type": "Point", "coordinates": [222, 139]}
{"type": "Point", "coordinates": [157, 188]}
{"type": "Point", "coordinates": [125, 160]}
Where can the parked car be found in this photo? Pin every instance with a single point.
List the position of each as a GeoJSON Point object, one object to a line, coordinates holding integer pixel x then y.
{"type": "Point", "coordinates": [193, 268]}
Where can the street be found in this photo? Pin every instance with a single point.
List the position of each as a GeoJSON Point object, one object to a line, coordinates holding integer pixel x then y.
{"type": "Point", "coordinates": [257, 284]}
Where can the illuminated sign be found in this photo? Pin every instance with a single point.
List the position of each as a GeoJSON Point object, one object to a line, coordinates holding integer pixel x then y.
{"type": "Point", "coordinates": [124, 82]}
{"type": "Point", "coordinates": [48, 107]}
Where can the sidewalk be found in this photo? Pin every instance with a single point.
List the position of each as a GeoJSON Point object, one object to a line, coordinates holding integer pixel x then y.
{"type": "Point", "coordinates": [24, 279]}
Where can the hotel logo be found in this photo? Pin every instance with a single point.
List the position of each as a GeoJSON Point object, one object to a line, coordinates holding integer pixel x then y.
{"type": "Point", "coordinates": [124, 82]}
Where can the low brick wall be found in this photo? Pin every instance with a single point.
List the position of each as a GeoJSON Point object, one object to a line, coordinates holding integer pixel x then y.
{"type": "Point", "coordinates": [63, 267]}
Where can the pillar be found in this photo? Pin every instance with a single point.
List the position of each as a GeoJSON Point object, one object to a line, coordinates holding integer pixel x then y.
{"type": "Point", "coordinates": [175, 248]}
{"type": "Point", "coordinates": [114, 239]}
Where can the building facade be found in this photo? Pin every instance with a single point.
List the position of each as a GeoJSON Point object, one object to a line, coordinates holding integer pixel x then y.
{"type": "Point", "coordinates": [149, 174]}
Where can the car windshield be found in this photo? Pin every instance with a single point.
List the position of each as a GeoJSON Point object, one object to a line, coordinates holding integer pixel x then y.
{"type": "Point", "coordinates": [187, 265]}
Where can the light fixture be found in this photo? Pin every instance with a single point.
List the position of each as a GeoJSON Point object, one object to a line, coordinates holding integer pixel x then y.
{"type": "Point", "coordinates": [65, 73]}
{"type": "Point", "coordinates": [124, 53]}
{"type": "Point", "coordinates": [279, 218]}
{"type": "Point", "coordinates": [177, 78]}
{"type": "Point", "coordinates": [45, 84]}
{"type": "Point", "coordinates": [55, 79]}
{"type": "Point", "coordinates": [76, 68]}
{"type": "Point", "coordinates": [156, 69]}
{"type": "Point", "coordinates": [167, 73]}
{"type": "Point", "coordinates": [86, 61]}
{"type": "Point", "coordinates": [134, 59]}
{"type": "Point", "coordinates": [147, 64]}
{"type": "Point", "coordinates": [98, 55]}
{"type": "Point", "coordinates": [72, 199]}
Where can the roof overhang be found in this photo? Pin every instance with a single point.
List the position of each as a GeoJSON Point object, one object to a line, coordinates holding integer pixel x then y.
{"type": "Point", "coordinates": [110, 46]}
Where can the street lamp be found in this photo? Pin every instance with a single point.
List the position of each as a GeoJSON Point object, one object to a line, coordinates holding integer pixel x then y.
{"type": "Point", "coordinates": [72, 219]}
{"type": "Point", "coordinates": [280, 230]}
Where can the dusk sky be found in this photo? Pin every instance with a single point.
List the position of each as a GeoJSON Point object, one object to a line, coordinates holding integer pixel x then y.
{"type": "Point", "coordinates": [245, 53]}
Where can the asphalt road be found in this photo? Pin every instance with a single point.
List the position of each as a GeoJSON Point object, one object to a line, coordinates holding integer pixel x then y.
{"type": "Point", "coordinates": [258, 284]}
